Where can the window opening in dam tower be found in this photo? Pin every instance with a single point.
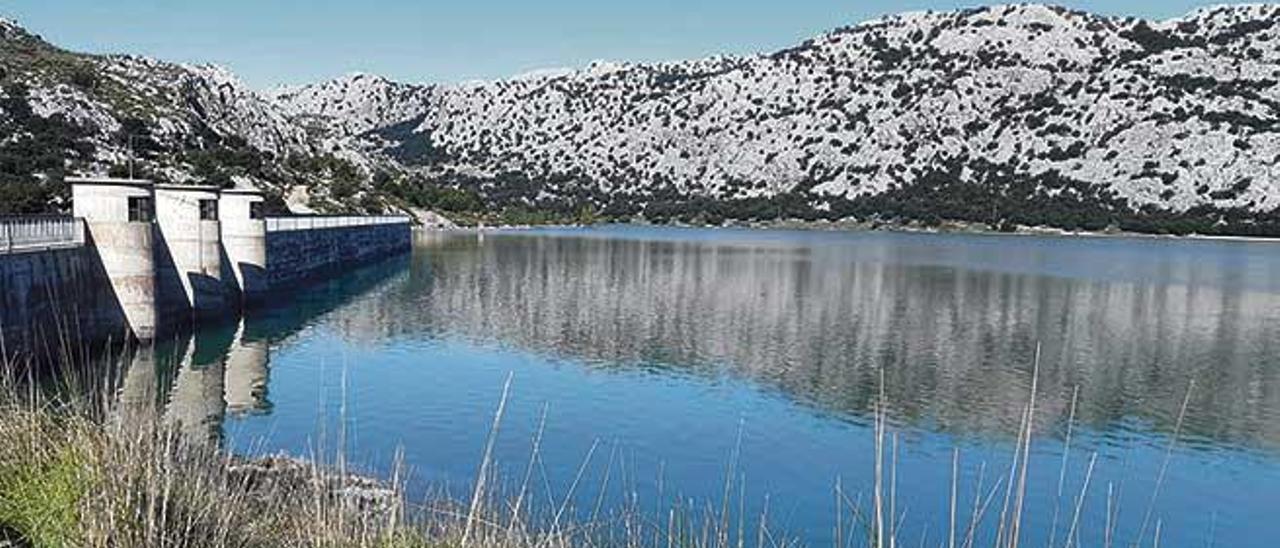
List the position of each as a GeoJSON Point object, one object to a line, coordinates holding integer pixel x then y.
{"type": "Point", "coordinates": [141, 210]}
{"type": "Point", "coordinates": [208, 210]}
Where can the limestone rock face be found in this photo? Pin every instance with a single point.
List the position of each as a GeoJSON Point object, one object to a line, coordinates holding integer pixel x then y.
{"type": "Point", "coordinates": [433, 220]}
{"type": "Point", "coordinates": [1175, 114]}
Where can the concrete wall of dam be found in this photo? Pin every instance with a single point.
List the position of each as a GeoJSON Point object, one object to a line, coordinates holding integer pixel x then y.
{"type": "Point", "coordinates": [138, 260]}
{"type": "Point", "coordinates": [53, 300]}
{"type": "Point", "coordinates": [295, 254]}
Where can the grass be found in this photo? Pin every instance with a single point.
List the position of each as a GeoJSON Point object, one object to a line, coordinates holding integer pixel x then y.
{"type": "Point", "coordinates": [78, 467]}
{"type": "Point", "coordinates": [84, 471]}
{"type": "Point", "coordinates": [40, 495]}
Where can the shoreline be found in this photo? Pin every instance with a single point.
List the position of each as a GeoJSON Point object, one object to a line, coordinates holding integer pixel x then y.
{"type": "Point", "coordinates": [857, 226]}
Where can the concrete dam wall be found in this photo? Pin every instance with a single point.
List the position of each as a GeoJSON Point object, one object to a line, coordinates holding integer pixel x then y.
{"type": "Point", "coordinates": [295, 255]}
{"type": "Point", "coordinates": [138, 260]}
{"type": "Point", "coordinates": [53, 300]}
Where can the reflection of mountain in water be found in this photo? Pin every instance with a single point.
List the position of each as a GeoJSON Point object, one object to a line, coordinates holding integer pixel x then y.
{"type": "Point", "coordinates": [817, 322]}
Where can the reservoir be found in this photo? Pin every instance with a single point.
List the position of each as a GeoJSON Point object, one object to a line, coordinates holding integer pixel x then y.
{"type": "Point", "coordinates": [705, 370]}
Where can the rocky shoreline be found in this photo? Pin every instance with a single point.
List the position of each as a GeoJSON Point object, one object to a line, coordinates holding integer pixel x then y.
{"type": "Point", "coordinates": [282, 473]}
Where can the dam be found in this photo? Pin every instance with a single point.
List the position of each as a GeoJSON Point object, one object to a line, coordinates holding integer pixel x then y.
{"type": "Point", "coordinates": [137, 259]}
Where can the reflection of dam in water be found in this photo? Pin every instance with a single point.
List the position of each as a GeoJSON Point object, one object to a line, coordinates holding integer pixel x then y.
{"type": "Point", "coordinates": [245, 381]}
{"type": "Point", "coordinates": [195, 404]}
{"type": "Point", "coordinates": [195, 380]}
{"type": "Point", "coordinates": [198, 379]}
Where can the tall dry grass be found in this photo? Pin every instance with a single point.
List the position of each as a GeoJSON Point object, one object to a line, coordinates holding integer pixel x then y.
{"type": "Point", "coordinates": [79, 467]}
{"type": "Point", "coordinates": [79, 470]}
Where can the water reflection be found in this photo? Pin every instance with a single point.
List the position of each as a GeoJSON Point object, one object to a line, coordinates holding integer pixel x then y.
{"type": "Point", "coordinates": [663, 341]}
{"type": "Point", "coordinates": [956, 336]}
{"type": "Point", "coordinates": [196, 404]}
{"type": "Point", "coordinates": [954, 326]}
{"type": "Point", "coordinates": [196, 379]}
{"type": "Point", "coordinates": [245, 383]}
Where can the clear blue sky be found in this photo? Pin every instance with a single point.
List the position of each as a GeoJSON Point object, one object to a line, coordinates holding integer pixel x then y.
{"type": "Point", "coordinates": [287, 42]}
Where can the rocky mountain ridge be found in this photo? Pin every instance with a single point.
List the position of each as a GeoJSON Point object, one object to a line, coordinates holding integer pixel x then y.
{"type": "Point", "coordinates": [1004, 115]}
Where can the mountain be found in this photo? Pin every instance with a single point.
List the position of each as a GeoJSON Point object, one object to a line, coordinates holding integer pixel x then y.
{"type": "Point", "coordinates": [1005, 115]}
{"type": "Point", "coordinates": [63, 112]}
{"type": "Point", "coordinates": [352, 105]}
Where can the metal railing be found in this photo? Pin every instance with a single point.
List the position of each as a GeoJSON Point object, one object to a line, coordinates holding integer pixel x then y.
{"type": "Point", "coordinates": [312, 222]}
{"type": "Point", "coordinates": [33, 232]}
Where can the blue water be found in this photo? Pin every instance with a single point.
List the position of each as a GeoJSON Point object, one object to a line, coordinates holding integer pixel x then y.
{"type": "Point", "coordinates": [668, 363]}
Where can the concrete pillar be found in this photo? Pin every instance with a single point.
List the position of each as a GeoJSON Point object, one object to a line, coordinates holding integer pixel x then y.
{"type": "Point", "coordinates": [119, 215]}
{"type": "Point", "coordinates": [244, 239]}
{"type": "Point", "coordinates": [190, 259]}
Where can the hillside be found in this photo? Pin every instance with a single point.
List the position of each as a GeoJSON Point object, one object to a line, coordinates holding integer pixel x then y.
{"type": "Point", "coordinates": [70, 113]}
{"type": "Point", "coordinates": [1006, 116]}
